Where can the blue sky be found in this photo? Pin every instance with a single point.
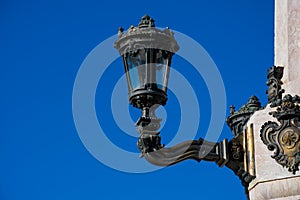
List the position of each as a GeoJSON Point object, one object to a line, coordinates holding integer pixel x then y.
{"type": "Point", "coordinates": [43, 45]}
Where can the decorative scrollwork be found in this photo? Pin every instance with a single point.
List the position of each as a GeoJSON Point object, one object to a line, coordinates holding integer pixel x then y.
{"type": "Point", "coordinates": [149, 142]}
{"type": "Point", "coordinates": [284, 138]}
{"type": "Point", "coordinates": [236, 149]}
{"type": "Point", "coordinates": [145, 35]}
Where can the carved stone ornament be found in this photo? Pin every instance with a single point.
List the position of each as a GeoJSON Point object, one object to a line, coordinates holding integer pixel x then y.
{"type": "Point", "coordinates": [274, 83]}
{"type": "Point", "coordinates": [284, 138]}
{"type": "Point", "coordinates": [238, 119]}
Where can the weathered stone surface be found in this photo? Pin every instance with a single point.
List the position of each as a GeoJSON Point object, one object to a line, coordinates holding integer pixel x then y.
{"type": "Point", "coordinates": [278, 189]}
{"type": "Point", "coordinates": [287, 42]}
{"type": "Point", "coordinates": [266, 168]}
{"type": "Point", "coordinates": [272, 180]}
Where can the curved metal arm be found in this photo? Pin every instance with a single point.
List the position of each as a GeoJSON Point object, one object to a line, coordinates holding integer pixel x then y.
{"type": "Point", "coordinates": [231, 154]}
{"type": "Point", "coordinates": [194, 149]}
{"type": "Point", "coordinates": [222, 153]}
{"type": "Point", "coordinates": [151, 148]}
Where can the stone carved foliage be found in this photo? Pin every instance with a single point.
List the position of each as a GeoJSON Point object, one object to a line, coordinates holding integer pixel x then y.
{"type": "Point", "coordinates": [284, 138]}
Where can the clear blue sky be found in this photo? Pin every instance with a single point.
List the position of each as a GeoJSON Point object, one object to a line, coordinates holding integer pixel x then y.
{"type": "Point", "coordinates": [43, 44]}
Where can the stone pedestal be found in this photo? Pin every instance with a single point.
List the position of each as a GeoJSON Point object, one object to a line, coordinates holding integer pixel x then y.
{"type": "Point", "coordinates": [272, 180]}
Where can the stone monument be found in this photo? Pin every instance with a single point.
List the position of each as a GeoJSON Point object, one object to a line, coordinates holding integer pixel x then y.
{"type": "Point", "coordinates": [276, 128]}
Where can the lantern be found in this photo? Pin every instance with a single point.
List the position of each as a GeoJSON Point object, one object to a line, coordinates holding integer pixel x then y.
{"type": "Point", "coordinates": [147, 53]}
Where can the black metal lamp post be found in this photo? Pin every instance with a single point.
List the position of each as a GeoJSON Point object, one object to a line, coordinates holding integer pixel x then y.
{"type": "Point", "coordinates": [147, 53]}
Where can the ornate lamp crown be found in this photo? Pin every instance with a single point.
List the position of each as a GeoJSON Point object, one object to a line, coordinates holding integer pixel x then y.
{"type": "Point", "coordinates": [145, 35]}
{"type": "Point", "coordinates": [146, 22]}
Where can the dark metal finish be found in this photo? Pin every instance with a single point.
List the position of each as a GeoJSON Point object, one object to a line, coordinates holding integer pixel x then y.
{"type": "Point", "coordinates": [230, 154]}
{"type": "Point", "coordinates": [238, 119]}
{"type": "Point", "coordinates": [149, 143]}
{"type": "Point", "coordinates": [236, 160]}
{"type": "Point", "coordinates": [147, 126]}
{"type": "Point", "coordinates": [195, 149]}
{"type": "Point", "coordinates": [284, 138]}
{"type": "Point", "coordinates": [274, 83]}
{"type": "Point", "coordinates": [147, 53]}
{"type": "Point", "coordinates": [146, 22]}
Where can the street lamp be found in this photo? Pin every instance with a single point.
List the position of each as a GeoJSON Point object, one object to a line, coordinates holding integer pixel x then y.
{"type": "Point", "coordinates": [147, 54]}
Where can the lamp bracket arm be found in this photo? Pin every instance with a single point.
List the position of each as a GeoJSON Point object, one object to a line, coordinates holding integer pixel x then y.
{"type": "Point", "coordinates": [193, 149]}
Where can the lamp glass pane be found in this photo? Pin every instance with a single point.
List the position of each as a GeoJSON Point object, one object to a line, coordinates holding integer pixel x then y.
{"type": "Point", "coordinates": [161, 71]}
{"type": "Point", "coordinates": [136, 63]}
